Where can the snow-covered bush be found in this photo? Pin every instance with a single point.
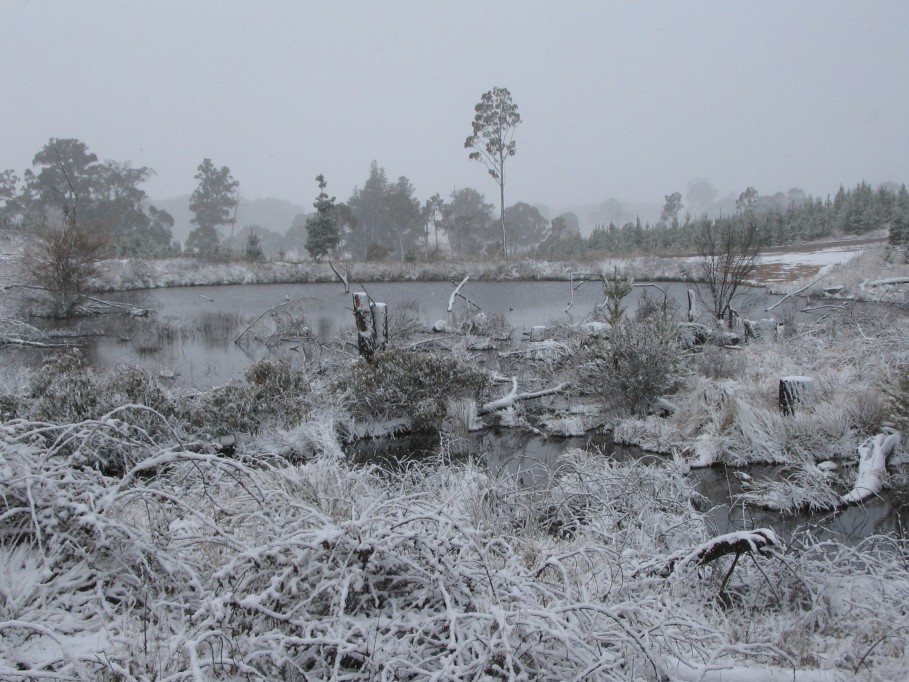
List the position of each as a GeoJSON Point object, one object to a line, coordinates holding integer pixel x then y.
{"type": "Point", "coordinates": [195, 566]}
{"type": "Point", "coordinates": [272, 394]}
{"type": "Point", "coordinates": [413, 386]}
{"type": "Point", "coordinates": [637, 364]}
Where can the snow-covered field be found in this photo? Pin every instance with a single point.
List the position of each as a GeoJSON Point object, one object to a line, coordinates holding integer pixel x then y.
{"type": "Point", "coordinates": [133, 547]}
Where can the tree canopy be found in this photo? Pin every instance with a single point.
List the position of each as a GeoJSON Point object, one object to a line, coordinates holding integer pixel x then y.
{"type": "Point", "coordinates": [67, 182]}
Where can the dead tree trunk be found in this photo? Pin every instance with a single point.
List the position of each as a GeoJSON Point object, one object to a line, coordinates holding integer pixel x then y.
{"type": "Point", "coordinates": [794, 391]}
{"type": "Point", "coordinates": [872, 469]}
{"type": "Point", "coordinates": [372, 324]}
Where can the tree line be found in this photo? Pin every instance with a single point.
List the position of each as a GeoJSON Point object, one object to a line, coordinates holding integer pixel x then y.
{"type": "Point", "coordinates": [68, 186]}
{"type": "Point", "coordinates": [775, 219]}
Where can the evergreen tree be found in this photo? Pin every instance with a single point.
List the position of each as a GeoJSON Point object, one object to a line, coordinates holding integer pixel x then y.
{"type": "Point", "coordinates": [899, 225]}
{"type": "Point", "coordinates": [322, 227]}
{"type": "Point", "coordinates": [253, 250]}
{"type": "Point", "coordinates": [212, 203]}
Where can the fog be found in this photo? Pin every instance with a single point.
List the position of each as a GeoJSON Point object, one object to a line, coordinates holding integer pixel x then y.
{"type": "Point", "coordinates": [618, 100]}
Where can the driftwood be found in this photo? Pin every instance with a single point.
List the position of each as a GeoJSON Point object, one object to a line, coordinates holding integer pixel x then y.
{"type": "Point", "coordinates": [885, 282]}
{"type": "Point", "coordinates": [30, 343]}
{"type": "Point", "coordinates": [795, 292]}
{"type": "Point", "coordinates": [794, 391]}
{"type": "Point", "coordinates": [513, 396]}
{"type": "Point", "coordinates": [133, 310]}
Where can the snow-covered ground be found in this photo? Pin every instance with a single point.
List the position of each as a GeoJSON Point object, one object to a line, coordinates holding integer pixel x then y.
{"type": "Point", "coordinates": [132, 548]}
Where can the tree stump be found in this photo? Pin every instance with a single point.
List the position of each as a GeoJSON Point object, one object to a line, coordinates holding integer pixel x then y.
{"type": "Point", "coordinates": [372, 324]}
{"type": "Point", "coordinates": [537, 332]}
{"type": "Point", "coordinates": [794, 391]}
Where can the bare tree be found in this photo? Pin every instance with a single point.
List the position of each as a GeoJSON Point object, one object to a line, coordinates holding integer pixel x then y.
{"type": "Point", "coordinates": [61, 259]}
{"type": "Point", "coordinates": [728, 254]}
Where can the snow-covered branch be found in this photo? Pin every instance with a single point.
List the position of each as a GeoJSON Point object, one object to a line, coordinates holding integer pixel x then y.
{"type": "Point", "coordinates": [513, 396]}
{"type": "Point", "coordinates": [872, 468]}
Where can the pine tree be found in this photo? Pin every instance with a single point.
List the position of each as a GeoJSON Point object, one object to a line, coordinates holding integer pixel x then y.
{"type": "Point", "coordinates": [899, 227]}
{"type": "Point", "coordinates": [253, 250]}
{"type": "Point", "coordinates": [322, 227]}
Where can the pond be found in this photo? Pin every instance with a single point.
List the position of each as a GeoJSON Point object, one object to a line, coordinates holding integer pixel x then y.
{"type": "Point", "coordinates": [190, 337]}
{"type": "Point", "coordinates": [190, 334]}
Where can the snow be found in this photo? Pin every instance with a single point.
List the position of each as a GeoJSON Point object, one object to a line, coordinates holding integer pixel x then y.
{"type": "Point", "coordinates": [257, 568]}
{"type": "Point", "coordinates": [872, 469]}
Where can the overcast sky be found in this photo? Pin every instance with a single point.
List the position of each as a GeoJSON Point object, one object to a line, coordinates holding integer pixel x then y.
{"type": "Point", "coordinates": [630, 100]}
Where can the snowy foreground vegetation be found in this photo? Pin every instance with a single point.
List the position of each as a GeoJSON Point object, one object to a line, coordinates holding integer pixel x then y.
{"type": "Point", "coordinates": [156, 533]}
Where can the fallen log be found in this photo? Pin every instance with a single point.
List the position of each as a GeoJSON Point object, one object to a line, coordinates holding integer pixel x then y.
{"type": "Point", "coordinates": [513, 396]}
{"type": "Point", "coordinates": [885, 282]}
{"type": "Point", "coordinates": [795, 292]}
{"type": "Point", "coordinates": [738, 543]}
{"type": "Point", "coordinates": [872, 469]}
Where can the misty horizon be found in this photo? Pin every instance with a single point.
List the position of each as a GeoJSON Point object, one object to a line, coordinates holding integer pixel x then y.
{"type": "Point", "coordinates": [632, 102]}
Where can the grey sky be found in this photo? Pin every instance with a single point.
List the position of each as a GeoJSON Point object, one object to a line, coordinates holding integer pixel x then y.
{"type": "Point", "coordinates": [630, 100]}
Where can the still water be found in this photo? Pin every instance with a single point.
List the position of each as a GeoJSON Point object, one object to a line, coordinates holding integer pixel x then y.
{"type": "Point", "coordinates": [190, 333]}
{"type": "Point", "coordinates": [530, 459]}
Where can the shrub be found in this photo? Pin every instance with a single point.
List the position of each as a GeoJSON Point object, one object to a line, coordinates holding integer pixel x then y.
{"type": "Point", "coordinates": [65, 390]}
{"type": "Point", "coordinates": [273, 392]}
{"type": "Point", "coordinates": [637, 365]}
{"type": "Point", "coordinates": [414, 386]}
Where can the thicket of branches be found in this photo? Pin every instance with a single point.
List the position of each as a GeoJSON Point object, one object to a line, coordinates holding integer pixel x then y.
{"type": "Point", "coordinates": [190, 565]}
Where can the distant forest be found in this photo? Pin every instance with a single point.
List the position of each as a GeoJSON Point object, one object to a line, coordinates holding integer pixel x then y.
{"type": "Point", "coordinates": [68, 186]}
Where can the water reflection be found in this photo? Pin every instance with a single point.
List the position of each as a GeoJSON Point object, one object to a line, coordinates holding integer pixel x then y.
{"type": "Point", "coordinates": [191, 332]}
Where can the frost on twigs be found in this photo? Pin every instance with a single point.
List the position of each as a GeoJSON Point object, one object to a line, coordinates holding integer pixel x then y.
{"type": "Point", "coordinates": [194, 566]}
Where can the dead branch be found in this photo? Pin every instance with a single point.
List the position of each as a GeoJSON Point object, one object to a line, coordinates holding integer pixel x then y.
{"type": "Point", "coordinates": [795, 293]}
{"type": "Point", "coordinates": [272, 309]}
{"type": "Point", "coordinates": [737, 543]}
{"type": "Point", "coordinates": [341, 277]}
{"type": "Point", "coordinates": [513, 396]}
{"type": "Point", "coordinates": [451, 299]}
{"type": "Point", "coordinates": [135, 310]}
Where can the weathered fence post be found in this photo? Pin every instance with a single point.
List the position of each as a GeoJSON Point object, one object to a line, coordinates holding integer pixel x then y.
{"type": "Point", "coordinates": [372, 324]}
{"type": "Point", "coordinates": [794, 391]}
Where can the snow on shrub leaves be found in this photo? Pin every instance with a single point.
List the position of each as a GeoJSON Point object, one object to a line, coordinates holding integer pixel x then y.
{"type": "Point", "coordinates": [411, 385]}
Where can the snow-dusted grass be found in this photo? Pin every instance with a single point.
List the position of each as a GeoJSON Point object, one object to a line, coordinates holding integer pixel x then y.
{"type": "Point", "coordinates": [732, 415]}
{"type": "Point", "coordinates": [136, 274]}
{"type": "Point", "coordinates": [194, 566]}
{"type": "Point", "coordinates": [130, 549]}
